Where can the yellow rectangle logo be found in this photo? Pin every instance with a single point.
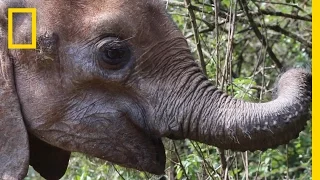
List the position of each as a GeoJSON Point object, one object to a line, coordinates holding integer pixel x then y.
{"type": "Point", "coordinates": [33, 12]}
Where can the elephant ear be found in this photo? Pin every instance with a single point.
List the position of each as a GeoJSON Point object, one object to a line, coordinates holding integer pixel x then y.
{"type": "Point", "coordinates": [49, 161]}
{"type": "Point", "coordinates": [14, 146]}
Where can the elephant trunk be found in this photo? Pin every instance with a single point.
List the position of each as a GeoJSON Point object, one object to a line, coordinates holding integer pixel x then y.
{"type": "Point", "coordinates": [212, 117]}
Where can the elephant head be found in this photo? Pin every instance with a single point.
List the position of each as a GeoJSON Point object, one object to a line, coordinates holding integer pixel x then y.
{"type": "Point", "coordinates": [109, 78]}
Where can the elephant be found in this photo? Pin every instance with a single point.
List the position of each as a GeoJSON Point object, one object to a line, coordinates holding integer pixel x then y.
{"type": "Point", "coordinates": [110, 78]}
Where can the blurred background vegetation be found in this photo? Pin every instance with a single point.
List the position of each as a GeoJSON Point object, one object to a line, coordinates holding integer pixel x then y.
{"type": "Point", "coordinates": [243, 46]}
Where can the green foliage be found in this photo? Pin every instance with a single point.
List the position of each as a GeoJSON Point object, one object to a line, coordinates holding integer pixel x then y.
{"type": "Point", "coordinates": [242, 88]}
{"type": "Point", "coordinates": [191, 164]}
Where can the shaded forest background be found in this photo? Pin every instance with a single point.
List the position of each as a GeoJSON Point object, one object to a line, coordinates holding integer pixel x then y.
{"type": "Point", "coordinates": [243, 46]}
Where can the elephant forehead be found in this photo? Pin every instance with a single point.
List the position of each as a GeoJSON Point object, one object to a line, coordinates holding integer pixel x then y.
{"type": "Point", "coordinates": [80, 17]}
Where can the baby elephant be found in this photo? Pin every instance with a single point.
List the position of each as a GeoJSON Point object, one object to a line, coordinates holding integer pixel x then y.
{"type": "Point", "coordinates": [110, 78]}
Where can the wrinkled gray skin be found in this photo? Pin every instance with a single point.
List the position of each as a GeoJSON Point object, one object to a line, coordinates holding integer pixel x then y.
{"type": "Point", "coordinates": [73, 98]}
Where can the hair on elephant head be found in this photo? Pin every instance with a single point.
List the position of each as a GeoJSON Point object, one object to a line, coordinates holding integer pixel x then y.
{"type": "Point", "coordinates": [109, 79]}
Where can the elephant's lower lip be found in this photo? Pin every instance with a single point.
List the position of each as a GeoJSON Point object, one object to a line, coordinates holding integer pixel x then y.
{"type": "Point", "coordinates": [149, 157]}
{"type": "Point", "coordinates": [152, 159]}
{"type": "Point", "coordinates": [160, 158]}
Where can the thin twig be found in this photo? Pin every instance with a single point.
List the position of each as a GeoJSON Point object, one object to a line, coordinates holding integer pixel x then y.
{"type": "Point", "coordinates": [192, 7]}
{"type": "Point", "coordinates": [118, 172]}
{"type": "Point", "coordinates": [198, 148]}
{"type": "Point", "coordinates": [228, 58]}
{"type": "Point", "coordinates": [180, 162]}
{"type": "Point", "coordinates": [245, 163]}
{"type": "Point", "coordinates": [223, 160]}
{"type": "Point", "coordinates": [287, 159]}
{"type": "Point", "coordinates": [209, 24]}
{"type": "Point", "coordinates": [259, 165]}
{"type": "Point", "coordinates": [216, 19]}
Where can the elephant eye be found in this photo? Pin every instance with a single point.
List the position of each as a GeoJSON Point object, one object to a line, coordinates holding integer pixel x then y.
{"type": "Point", "coordinates": [113, 52]}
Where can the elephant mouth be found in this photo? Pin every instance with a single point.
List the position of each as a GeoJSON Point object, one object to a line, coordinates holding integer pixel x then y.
{"type": "Point", "coordinates": [149, 157]}
{"type": "Point", "coordinates": [146, 151]}
{"type": "Point", "coordinates": [131, 146]}
{"type": "Point", "coordinates": [158, 154]}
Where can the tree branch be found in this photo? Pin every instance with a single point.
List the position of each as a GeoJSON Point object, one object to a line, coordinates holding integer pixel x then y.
{"type": "Point", "coordinates": [275, 13]}
{"type": "Point", "coordinates": [262, 39]}
{"type": "Point", "coordinates": [284, 4]}
{"type": "Point", "coordinates": [196, 35]}
{"type": "Point", "coordinates": [277, 28]}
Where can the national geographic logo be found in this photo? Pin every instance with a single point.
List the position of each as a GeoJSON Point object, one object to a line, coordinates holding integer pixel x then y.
{"type": "Point", "coordinates": [33, 13]}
